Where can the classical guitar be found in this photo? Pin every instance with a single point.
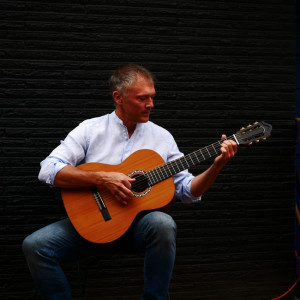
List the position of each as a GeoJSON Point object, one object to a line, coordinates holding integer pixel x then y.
{"type": "Point", "coordinates": [99, 218]}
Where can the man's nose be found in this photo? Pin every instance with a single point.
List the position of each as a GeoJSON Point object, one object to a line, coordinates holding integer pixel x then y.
{"type": "Point", "coordinates": [150, 102]}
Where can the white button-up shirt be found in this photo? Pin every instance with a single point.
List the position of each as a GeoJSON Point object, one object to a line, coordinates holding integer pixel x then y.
{"type": "Point", "coordinates": [105, 140]}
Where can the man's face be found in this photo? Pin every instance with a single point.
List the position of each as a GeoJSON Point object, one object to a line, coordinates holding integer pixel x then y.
{"type": "Point", "coordinates": [137, 104]}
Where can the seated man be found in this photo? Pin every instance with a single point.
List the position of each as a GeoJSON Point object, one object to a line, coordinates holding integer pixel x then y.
{"type": "Point", "coordinates": [110, 139]}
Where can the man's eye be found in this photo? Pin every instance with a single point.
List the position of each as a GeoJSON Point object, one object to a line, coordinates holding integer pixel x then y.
{"type": "Point", "coordinates": [145, 98]}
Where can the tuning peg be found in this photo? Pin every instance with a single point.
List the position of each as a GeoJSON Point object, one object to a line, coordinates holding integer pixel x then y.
{"type": "Point", "coordinates": [257, 141]}
{"type": "Point", "coordinates": [249, 126]}
{"type": "Point", "coordinates": [250, 143]}
{"type": "Point", "coordinates": [255, 123]}
{"type": "Point", "coordinates": [243, 128]}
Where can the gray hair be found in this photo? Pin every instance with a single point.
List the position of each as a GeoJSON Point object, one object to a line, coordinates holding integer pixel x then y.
{"type": "Point", "coordinates": [125, 77]}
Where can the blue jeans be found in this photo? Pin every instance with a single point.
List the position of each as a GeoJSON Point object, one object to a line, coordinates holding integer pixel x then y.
{"type": "Point", "coordinates": [45, 249]}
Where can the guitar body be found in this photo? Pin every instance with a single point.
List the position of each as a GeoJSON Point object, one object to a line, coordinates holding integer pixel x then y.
{"type": "Point", "coordinates": [88, 219]}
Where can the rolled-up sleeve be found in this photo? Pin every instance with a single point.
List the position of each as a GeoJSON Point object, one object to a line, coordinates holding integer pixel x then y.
{"type": "Point", "coordinates": [49, 168]}
{"type": "Point", "coordinates": [183, 182]}
{"type": "Point", "coordinates": [71, 151]}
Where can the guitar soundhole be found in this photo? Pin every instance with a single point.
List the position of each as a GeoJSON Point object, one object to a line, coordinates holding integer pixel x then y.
{"type": "Point", "coordinates": [140, 187]}
{"type": "Point", "coordinates": [140, 184]}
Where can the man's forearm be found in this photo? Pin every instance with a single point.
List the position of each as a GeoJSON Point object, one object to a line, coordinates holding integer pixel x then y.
{"type": "Point", "coordinates": [71, 176]}
{"type": "Point", "coordinates": [201, 183]}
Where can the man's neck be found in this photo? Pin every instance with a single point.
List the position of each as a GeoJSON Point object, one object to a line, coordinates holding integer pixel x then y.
{"type": "Point", "coordinates": [129, 124]}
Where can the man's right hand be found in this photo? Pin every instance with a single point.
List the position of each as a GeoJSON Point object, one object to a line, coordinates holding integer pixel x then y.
{"type": "Point", "coordinates": [118, 184]}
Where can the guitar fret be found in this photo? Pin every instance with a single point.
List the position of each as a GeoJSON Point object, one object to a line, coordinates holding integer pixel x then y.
{"type": "Point", "coordinates": [215, 149]}
{"type": "Point", "coordinates": [182, 163]}
{"type": "Point", "coordinates": [164, 169]}
{"type": "Point", "coordinates": [193, 159]}
{"type": "Point", "coordinates": [155, 177]}
{"type": "Point", "coordinates": [177, 166]}
{"type": "Point", "coordinates": [172, 169]}
{"type": "Point", "coordinates": [151, 179]}
{"type": "Point", "coordinates": [168, 169]}
{"type": "Point", "coordinates": [170, 173]}
{"type": "Point", "coordinates": [196, 157]}
{"type": "Point", "coordinates": [162, 173]}
{"type": "Point", "coordinates": [189, 159]}
{"type": "Point", "coordinates": [157, 172]}
{"type": "Point", "coordinates": [148, 178]}
{"type": "Point", "coordinates": [208, 152]}
{"type": "Point", "coordinates": [202, 154]}
{"type": "Point", "coordinates": [152, 182]}
{"type": "Point", "coordinates": [171, 164]}
{"type": "Point", "coordinates": [186, 162]}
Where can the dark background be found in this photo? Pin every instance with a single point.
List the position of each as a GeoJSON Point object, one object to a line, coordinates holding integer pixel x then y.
{"type": "Point", "coordinates": [221, 65]}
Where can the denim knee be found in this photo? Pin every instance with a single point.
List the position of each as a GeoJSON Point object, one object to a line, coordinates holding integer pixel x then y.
{"type": "Point", "coordinates": [30, 248]}
{"type": "Point", "coordinates": [163, 226]}
{"type": "Point", "coordinates": [33, 247]}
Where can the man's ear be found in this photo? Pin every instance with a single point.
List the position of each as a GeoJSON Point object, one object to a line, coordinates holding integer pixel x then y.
{"type": "Point", "coordinates": [117, 97]}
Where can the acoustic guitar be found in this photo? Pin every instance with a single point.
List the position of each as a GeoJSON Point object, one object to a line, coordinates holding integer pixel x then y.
{"type": "Point", "coordinates": [99, 218]}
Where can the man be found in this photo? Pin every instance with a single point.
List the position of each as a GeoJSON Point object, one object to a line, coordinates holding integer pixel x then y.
{"type": "Point", "coordinates": [110, 139]}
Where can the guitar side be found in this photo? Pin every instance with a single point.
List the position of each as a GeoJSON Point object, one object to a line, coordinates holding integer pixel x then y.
{"type": "Point", "coordinates": [86, 216]}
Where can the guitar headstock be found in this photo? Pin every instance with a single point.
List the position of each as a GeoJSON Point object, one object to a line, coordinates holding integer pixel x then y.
{"type": "Point", "coordinates": [254, 133]}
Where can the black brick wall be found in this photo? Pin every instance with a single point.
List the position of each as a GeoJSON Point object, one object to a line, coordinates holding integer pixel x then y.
{"type": "Point", "coordinates": [220, 65]}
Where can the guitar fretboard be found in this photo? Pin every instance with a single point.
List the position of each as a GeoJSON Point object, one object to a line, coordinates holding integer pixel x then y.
{"type": "Point", "coordinates": [185, 162]}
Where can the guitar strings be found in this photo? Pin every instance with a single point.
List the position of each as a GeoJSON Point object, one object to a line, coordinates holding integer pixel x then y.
{"type": "Point", "coordinates": [170, 167]}
{"type": "Point", "coordinates": [174, 164]}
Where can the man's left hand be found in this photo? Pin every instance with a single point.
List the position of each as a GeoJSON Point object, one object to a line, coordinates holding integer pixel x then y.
{"type": "Point", "coordinates": [228, 150]}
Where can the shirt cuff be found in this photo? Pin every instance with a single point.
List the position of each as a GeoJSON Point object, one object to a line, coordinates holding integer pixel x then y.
{"type": "Point", "coordinates": [187, 196]}
{"type": "Point", "coordinates": [49, 169]}
{"type": "Point", "coordinates": [55, 169]}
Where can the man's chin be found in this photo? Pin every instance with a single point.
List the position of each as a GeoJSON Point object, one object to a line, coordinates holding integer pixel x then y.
{"type": "Point", "coordinates": [144, 119]}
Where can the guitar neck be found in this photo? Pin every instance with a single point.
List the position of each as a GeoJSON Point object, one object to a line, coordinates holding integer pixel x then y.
{"type": "Point", "coordinates": [185, 162]}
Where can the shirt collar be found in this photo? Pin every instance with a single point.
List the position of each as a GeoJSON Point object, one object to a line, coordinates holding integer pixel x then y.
{"type": "Point", "coordinates": [139, 126]}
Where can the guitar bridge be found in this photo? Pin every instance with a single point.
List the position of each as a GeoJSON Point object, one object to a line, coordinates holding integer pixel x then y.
{"type": "Point", "coordinates": [100, 203]}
